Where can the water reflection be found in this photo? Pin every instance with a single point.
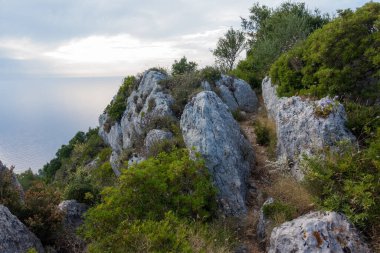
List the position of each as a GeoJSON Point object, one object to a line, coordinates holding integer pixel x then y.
{"type": "Point", "coordinates": [38, 115]}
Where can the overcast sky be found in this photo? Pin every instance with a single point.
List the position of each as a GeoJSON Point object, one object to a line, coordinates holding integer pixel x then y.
{"type": "Point", "coordinates": [118, 37]}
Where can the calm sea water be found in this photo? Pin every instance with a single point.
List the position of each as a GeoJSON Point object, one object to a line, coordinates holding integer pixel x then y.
{"type": "Point", "coordinates": [38, 115]}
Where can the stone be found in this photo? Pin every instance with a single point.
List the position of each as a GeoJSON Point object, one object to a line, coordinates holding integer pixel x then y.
{"type": "Point", "coordinates": [15, 236]}
{"type": "Point", "coordinates": [300, 130]}
{"type": "Point", "coordinates": [264, 224]}
{"type": "Point", "coordinates": [208, 126]}
{"type": "Point", "coordinates": [154, 136]}
{"type": "Point", "coordinates": [146, 103]}
{"type": "Point", "coordinates": [73, 212]}
{"type": "Point", "coordinates": [237, 94]}
{"type": "Point", "coordinates": [317, 232]}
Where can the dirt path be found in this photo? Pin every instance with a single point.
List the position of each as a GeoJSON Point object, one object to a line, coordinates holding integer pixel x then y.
{"type": "Point", "coordinates": [259, 178]}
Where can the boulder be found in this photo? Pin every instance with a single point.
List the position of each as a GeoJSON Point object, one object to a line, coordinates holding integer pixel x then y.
{"type": "Point", "coordinates": [317, 232]}
{"type": "Point", "coordinates": [300, 129]}
{"type": "Point", "coordinates": [145, 104]}
{"type": "Point", "coordinates": [208, 126]}
{"type": "Point", "coordinates": [154, 136]}
{"type": "Point", "coordinates": [264, 224]}
{"type": "Point", "coordinates": [237, 94]}
{"type": "Point", "coordinates": [15, 236]}
{"type": "Point", "coordinates": [73, 212]}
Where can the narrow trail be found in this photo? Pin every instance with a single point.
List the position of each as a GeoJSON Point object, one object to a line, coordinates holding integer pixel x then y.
{"type": "Point", "coordinates": [259, 178]}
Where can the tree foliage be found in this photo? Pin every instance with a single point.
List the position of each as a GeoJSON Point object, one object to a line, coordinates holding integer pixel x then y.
{"type": "Point", "coordinates": [342, 58]}
{"type": "Point", "coordinates": [229, 48]}
{"type": "Point", "coordinates": [182, 66]}
{"type": "Point", "coordinates": [272, 32]}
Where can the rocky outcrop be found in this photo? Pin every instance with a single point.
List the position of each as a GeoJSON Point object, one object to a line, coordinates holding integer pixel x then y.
{"type": "Point", "coordinates": [317, 232]}
{"type": "Point", "coordinates": [73, 212]}
{"type": "Point", "coordinates": [145, 104]}
{"type": "Point", "coordinates": [208, 126]}
{"type": "Point", "coordinates": [304, 126]}
{"type": "Point", "coordinates": [264, 224]}
{"type": "Point", "coordinates": [73, 218]}
{"type": "Point", "coordinates": [154, 136]}
{"type": "Point", "coordinates": [237, 94]}
{"type": "Point", "coordinates": [15, 236]}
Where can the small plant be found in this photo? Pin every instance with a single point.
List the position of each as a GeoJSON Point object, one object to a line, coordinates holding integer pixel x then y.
{"type": "Point", "coordinates": [279, 212]}
{"type": "Point", "coordinates": [325, 107]}
{"type": "Point", "coordinates": [151, 104]}
{"type": "Point", "coordinates": [262, 134]}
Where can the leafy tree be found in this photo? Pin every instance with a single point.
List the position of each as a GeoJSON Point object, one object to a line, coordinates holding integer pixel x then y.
{"type": "Point", "coordinates": [9, 193]}
{"type": "Point", "coordinates": [272, 32]}
{"type": "Point", "coordinates": [229, 48]}
{"type": "Point", "coordinates": [27, 179]}
{"type": "Point", "coordinates": [342, 58]}
{"type": "Point", "coordinates": [182, 66]}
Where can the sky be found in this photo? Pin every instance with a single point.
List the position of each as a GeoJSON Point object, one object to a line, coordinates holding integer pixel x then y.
{"type": "Point", "coordinates": [83, 38]}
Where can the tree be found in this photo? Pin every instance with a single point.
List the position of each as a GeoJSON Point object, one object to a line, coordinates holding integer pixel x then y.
{"type": "Point", "coordinates": [228, 48]}
{"type": "Point", "coordinates": [182, 66]}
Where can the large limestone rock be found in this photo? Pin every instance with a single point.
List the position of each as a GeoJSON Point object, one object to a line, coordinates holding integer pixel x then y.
{"type": "Point", "coordinates": [154, 136]}
{"type": "Point", "coordinates": [237, 94]}
{"type": "Point", "coordinates": [299, 129]}
{"type": "Point", "coordinates": [208, 126]}
{"type": "Point", "coordinates": [15, 236]}
{"type": "Point", "coordinates": [317, 232]}
{"type": "Point", "coordinates": [146, 103]}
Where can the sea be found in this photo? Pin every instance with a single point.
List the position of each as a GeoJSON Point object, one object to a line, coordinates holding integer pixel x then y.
{"type": "Point", "coordinates": [39, 114]}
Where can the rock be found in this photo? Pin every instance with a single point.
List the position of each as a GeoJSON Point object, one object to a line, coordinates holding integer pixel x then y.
{"type": "Point", "coordinates": [237, 94]}
{"type": "Point", "coordinates": [145, 104]}
{"type": "Point", "coordinates": [300, 130]}
{"type": "Point", "coordinates": [112, 137]}
{"type": "Point", "coordinates": [73, 213]}
{"type": "Point", "coordinates": [208, 126]}
{"type": "Point", "coordinates": [264, 224]}
{"type": "Point", "coordinates": [155, 136]}
{"type": "Point", "coordinates": [317, 232]}
{"type": "Point", "coordinates": [73, 218]}
{"type": "Point", "coordinates": [135, 159]}
{"type": "Point", "coordinates": [15, 236]}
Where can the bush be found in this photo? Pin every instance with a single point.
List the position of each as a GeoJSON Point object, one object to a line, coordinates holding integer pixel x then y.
{"type": "Point", "coordinates": [9, 193]}
{"type": "Point", "coordinates": [40, 212]}
{"type": "Point", "coordinates": [279, 212]}
{"type": "Point", "coordinates": [117, 106]}
{"type": "Point", "coordinates": [147, 191]}
{"type": "Point", "coordinates": [272, 32]}
{"type": "Point", "coordinates": [182, 67]}
{"type": "Point", "coordinates": [341, 58]}
{"type": "Point", "coordinates": [348, 182]}
{"type": "Point", "coordinates": [262, 134]}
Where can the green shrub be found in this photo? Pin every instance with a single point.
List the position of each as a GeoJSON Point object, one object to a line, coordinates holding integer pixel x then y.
{"type": "Point", "coordinates": [262, 134]}
{"type": "Point", "coordinates": [279, 212]}
{"type": "Point", "coordinates": [9, 193]}
{"type": "Point", "coordinates": [238, 115]}
{"type": "Point", "coordinates": [82, 190]}
{"type": "Point", "coordinates": [182, 67]}
{"type": "Point", "coordinates": [117, 106]}
{"type": "Point", "coordinates": [147, 191]}
{"type": "Point", "coordinates": [341, 58]}
{"type": "Point", "coordinates": [210, 74]}
{"type": "Point", "coordinates": [348, 182]}
{"type": "Point", "coordinates": [272, 32]}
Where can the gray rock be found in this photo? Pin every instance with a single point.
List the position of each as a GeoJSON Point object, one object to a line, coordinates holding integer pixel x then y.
{"type": "Point", "coordinates": [113, 137]}
{"type": "Point", "coordinates": [208, 126]}
{"type": "Point", "coordinates": [155, 136]}
{"type": "Point", "coordinates": [143, 105]}
{"type": "Point", "coordinates": [264, 223]}
{"type": "Point", "coordinates": [300, 130]}
{"type": "Point", "coordinates": [15, 236]}
{"type": "Point", "coordinates": [237, 94]}
{"type": "Point", "coordinates": [73, 212]}
{"type": "Point", "coordinates": [73, 218]}
{"type": "Point", "coordinates": [135, 159]}
{"type": "Point", "coordinates": [317, 232]}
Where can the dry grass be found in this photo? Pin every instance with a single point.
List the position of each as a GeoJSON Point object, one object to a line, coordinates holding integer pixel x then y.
{"type": "Point", "coordinates": [288, 190]}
